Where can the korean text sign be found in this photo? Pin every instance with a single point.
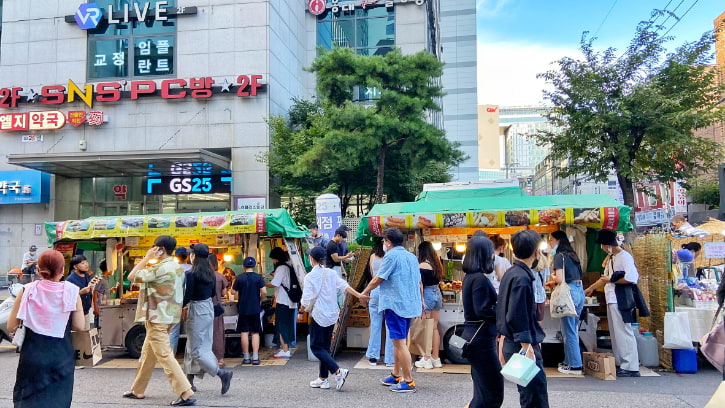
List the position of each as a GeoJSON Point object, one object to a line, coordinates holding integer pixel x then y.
{"type": "Point", "coordinates": [24, 187]}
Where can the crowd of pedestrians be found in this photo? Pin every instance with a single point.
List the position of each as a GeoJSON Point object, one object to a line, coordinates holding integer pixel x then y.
{"type": "Point", "coordinates": [502, 310]}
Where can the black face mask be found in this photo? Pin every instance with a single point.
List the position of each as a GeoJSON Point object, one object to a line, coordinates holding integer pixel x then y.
{"type": "Point", "coordinates": [535, 264]}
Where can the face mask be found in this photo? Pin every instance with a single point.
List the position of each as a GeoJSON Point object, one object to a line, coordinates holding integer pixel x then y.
{"type": "Point", "coordinates": [553, 250]}
{"type": "Point", "coordinates": [385, 248]}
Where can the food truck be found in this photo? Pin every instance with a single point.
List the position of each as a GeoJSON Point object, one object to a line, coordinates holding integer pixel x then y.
{"type": "Point", "coordinates": [449, 218]}
{"type": "Point", "coordinates": [121, 240]}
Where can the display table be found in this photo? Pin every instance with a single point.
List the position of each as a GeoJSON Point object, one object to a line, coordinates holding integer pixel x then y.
{"type": "Point", "coordinates": [700, 320]}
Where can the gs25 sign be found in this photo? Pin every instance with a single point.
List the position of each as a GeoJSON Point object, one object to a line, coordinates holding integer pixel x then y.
{"type": "Point", "coordinates": [188, 185]}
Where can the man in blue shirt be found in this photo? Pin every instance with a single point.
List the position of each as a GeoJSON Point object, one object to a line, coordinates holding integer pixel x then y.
{"type": "Point", "coordinates": [400, 299]}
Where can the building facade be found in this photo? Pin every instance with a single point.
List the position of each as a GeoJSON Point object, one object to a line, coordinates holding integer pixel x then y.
{"type": "Point", "coordinates": [122, 107]}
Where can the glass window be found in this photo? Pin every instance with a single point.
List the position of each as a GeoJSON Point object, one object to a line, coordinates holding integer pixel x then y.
{"type": "Point", "coordinates": [109, 46]}
{"type": "Point", "coordinates": [368, 31]}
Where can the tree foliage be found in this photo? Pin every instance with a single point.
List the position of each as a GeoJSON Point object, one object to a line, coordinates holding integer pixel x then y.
{"type": "Point", "coordinates": [335, 144]}
{"type": "Point", "coordinates": [707, 192]}
{"type": "Point", "coordinates": [634, 113]}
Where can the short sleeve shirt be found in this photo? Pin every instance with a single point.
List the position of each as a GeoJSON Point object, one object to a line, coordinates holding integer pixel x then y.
{"type": "Point", "coordinates": [572, 270]}
{"type": "Point", "coordinates": [400, 289]}
{"type": "Point", "coordinates": [281, 277]}
{"type": "Point", "coordinates": [82, 282]}
{"type": "Point", "coordinates": [332, 248]}
{"type": "Point", "coordinates": [247, 286]}
{"type": "Point", "coordinates": [622, 261]}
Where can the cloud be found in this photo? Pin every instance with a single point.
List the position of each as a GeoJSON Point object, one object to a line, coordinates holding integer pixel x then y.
{"type": "Point", "coordinates": [490, 8]}
{"type": "Point", "coordinates": [507, 71]}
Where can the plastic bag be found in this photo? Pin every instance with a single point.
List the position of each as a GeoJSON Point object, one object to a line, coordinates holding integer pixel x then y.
{"type": "Point", "coordinates": [561, 303]}
{"type": "Point", "coordinates": [677, 331]}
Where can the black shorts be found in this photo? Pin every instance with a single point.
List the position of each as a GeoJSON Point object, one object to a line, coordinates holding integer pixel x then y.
{"type": "Point", "coordinates": [249, 323]}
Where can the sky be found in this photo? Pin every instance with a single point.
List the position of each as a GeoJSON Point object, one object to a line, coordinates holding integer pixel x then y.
{"type": "Point", "coordinates": [518, 39]}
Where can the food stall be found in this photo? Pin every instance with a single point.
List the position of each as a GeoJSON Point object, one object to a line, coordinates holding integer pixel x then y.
{"type": "Point", "coordinates": [449, 218]}
{"type": "Point", "coordinates": [122, 240]}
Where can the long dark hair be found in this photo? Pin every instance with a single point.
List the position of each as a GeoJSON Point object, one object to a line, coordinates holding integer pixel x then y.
{"type": "Point", "coordinates": [200, 267]}
{"type": "Point", "coordinates": [479, 256]}
{"type": "Point", "coordinates": [378, 248]}
{"type": "Point", "coordinates": [692, 246]}
{"type": "Point", "coordinates": [426, 253]}
{"type": "Point", "coordinates": [564, 246]}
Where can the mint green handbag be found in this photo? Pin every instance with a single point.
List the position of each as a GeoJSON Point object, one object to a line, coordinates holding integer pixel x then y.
{"type": "Point", "coordinates": [520, 369]}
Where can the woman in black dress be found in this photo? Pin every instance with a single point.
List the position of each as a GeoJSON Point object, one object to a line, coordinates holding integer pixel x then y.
{"type": "Point", "coordinates": [479, 310]}
{"type": "Point", "coordinates": [48, 308]}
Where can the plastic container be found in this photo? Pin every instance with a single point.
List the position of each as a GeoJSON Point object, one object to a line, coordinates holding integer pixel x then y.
{"type": "Point", "coordinates": [635, 329]}
{"type": "Point", "coordinates": [648, 350]}
{"type": "Point", "coordinates": [684, 360]}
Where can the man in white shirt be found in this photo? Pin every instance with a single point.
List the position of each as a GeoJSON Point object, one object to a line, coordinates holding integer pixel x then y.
{"type": "Point", "coordinates": [320, 298]}
{"type": "Point", "coordinates": [30, 261]}
{"type": "Point", "coordinates": [618, 263]}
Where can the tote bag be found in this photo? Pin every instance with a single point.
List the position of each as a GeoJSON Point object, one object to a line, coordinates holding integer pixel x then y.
{"type": "Point", "coordinates": [561, 303]}
{"type": "Point", "coordinates": [420, 337]}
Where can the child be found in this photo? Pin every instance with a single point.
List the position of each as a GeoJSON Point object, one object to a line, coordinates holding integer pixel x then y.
{"type": "Point", "coordinates": [249, 288]}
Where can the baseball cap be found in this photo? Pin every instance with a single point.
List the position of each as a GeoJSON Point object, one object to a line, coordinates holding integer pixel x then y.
{"type": "Point", "coordinates": [250, 262]}
{"type": "Point", "coordinates": [182, 251]}
{"type": "Point", "coordinates": [341, 232]}
{"type": "Point", "coordinates": [33, 248]}
{"type": "Point", "coordinates": [317, 253]}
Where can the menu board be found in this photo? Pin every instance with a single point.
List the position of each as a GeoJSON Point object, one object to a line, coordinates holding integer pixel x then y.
{"type": "Point", "coordinates": [152, 226]}
{"type": "Point", "coordinates": [601, 218]}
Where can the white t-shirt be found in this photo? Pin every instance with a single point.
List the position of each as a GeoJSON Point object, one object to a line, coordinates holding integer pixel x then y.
{"type": "Point", "coordinates": [622, 261]}
{"type": "Point", "coordinates": [281, 277]}
{"type": "Point", "coordinates": [500, 266]}
{"type": "Point", "coordinates": [325, 311]}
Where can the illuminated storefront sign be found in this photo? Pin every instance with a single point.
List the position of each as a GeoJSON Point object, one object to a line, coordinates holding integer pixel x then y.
{"type": "Point", "coordinates": [197, 88]}
{"type": "Point", "coordinates": [24, 187]}
{"type": "Point", "coordinates": [188, 185]}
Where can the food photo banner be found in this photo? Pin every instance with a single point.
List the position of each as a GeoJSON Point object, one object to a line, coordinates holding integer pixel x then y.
{"type": "Point", "coordinates": [612, 218]}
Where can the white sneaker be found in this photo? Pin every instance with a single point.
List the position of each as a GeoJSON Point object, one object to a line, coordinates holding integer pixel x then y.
{"type": "Point", "coordinates": [283, 354]}
{"type": "Point", "coordinates": [389, 364]}
{"type": "Point", "coordinates": [340, 378]}
{"type": "Point", "coordinates": [437, 363]}
{"type": "Point", "coordinates": [318, 383]}
{"type": "Point", "coordinates": [423, 362]}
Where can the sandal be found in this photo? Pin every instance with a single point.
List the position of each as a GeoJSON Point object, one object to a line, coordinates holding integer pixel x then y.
{"type": "Point", "coordinates": [131, 395]}
{"type": "Point", "coordinates": [181, 402]}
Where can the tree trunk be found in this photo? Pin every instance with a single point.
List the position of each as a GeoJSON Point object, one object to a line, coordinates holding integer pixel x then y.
{"type": "Point", "coordinates": [627, 187]}
{"type": "Point", "coordinates": [381, 176]}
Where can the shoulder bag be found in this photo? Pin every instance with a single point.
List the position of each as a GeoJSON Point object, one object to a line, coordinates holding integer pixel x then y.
{"type": "Point", "coordinates": [458, 345]}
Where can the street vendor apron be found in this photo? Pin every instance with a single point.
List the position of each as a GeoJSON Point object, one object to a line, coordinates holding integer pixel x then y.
{"type": "Point", "coordinates": [199, 358]}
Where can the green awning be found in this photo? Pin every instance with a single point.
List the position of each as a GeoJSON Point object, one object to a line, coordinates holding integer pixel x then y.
{"type": "Point", "coordinates": [472, 210]}
{"type": "Point", "coordinates": [470, 193]}
{"type": "Point", "coordinates": [272, 222]}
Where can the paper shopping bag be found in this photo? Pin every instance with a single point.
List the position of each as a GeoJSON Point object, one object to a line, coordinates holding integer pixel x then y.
{"type": "Point", "coordinates": [520, 370]}
{"type": "Point", "coordinates": [718, 398]}
{"type": "Point", "coordinates": [420, 336]}
{"type": "Point", "coordinates": [600, 365]}
{"type": "Point", "coordinates": [87, 347]}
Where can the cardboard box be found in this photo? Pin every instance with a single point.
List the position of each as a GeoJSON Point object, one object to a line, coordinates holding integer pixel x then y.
{"type": "Point", "coordinates": [359, 317]}
{"type": "Point", "coordinates": [358, 337]}
{"type": "Point", "coordinates": [600, 365]}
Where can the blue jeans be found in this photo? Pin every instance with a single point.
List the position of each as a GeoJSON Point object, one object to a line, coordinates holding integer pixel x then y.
{"type": "Point", "coordinates": [570, 328]}
{"type": "Point", "coordinates": [174, 334]}
{"type": "Point", "coordinates": [376, 330]}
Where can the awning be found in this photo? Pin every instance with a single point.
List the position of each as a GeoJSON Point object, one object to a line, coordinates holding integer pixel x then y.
{"type": "Point", "coordinates": [128, 163]}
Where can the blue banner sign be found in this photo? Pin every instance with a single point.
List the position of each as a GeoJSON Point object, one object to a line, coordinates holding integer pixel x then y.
{"type": "Point", "coordinates": [24, 187]}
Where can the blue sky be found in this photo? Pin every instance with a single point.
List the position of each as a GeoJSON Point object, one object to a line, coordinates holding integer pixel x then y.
{"type": "Point", "coordinates": [519, 38]}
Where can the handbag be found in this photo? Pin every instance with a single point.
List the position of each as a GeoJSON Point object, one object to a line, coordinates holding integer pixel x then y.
{"type": "Point", "coordinates": [19, 336]}
{"type": "Point", "coordinates": [520, 369]}
{"type": "Point", "coordinates": [458, 345]}
{"type": "Point", "coordinates": [561, 302]}
{"type": "Point", "coordinates": [712, 344]}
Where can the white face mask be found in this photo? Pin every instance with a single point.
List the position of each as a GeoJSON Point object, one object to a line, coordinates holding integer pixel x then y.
{"type": "Point", "coordinates": [385, 247]}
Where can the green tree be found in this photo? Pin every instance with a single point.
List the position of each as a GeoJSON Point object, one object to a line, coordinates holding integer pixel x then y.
{"type": "Point", "coordinates": [393, 128]}
{"type": "Point", "coordinates": [705, 192]}
{"type": "Point", "coordinates": [635, 113]}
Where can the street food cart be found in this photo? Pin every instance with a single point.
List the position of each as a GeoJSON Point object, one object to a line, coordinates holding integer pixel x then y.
{"type": "Point", "coordinates": [122, 240]}
{"type": "Point", "coordinates": [449, 218]}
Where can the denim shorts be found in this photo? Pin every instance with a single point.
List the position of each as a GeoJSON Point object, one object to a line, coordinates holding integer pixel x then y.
{"type": "Point", "coordinates": [432, 298]}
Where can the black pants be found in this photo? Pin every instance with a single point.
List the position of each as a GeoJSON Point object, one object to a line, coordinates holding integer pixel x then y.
{"type": "Point", "coordinates": [534, 395]}
{"type": "Point", "coordinates": [486, 373]}
{"type": "Point", "coordinates": [320, 340]}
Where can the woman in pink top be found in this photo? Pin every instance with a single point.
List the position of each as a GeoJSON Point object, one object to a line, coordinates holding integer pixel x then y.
{"type": "Point", "coordinates": [48, 308]}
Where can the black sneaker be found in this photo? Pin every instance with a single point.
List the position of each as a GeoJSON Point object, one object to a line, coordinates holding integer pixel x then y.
{"type": "Point", "coordinates": [373, 361]}
{"type": "Point", "coordinates": [247, 361]}
{"type": "Point", "coordinates": [226, 378]}
{"type": "Point", "coordinates": [255, 362]}
{"type": "Point", "coordinates": [627, 373]}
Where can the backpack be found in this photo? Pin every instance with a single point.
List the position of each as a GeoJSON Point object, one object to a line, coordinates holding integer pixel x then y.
{"type": "Point", "coordinates": [294, 292]}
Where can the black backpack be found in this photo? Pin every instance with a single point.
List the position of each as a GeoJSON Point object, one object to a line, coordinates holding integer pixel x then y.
{"type": "Point", "coordinates": [295, 291]}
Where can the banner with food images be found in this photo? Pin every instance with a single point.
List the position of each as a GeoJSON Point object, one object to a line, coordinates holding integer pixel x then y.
{"type": "Point", "coordinates": [600, 218]}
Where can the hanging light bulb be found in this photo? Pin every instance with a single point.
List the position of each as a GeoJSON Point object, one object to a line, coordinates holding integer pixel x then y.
{"type": "Point", "coordinates": [460, 247]}
{"type": "Point", "coordinates": [228, 257]}
{"type": "Point", "coordinates": [437, 245]}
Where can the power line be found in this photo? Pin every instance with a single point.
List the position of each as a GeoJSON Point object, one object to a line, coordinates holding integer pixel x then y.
{"type": "Point", "coordinates": [683, 16]}
{"type": "Point", "coordinates": [605, 18]}
{"type": "Point", "coordinates": [672, 12]}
